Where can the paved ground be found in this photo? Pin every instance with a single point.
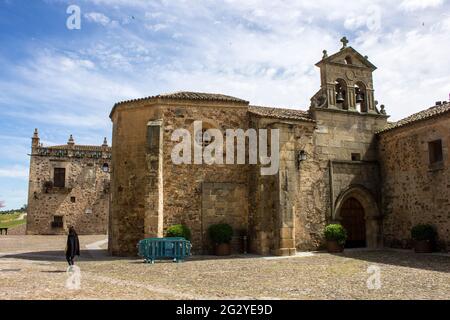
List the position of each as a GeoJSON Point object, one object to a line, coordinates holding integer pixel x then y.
{"type": "Point", "coordinates": [33, 267]}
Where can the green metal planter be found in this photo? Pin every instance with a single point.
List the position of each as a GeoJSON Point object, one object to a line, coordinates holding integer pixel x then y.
{"type": "Point", "coordinates": [153, 249]}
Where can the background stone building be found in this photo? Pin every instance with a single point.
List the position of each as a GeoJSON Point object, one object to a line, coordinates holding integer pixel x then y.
{"type": "Point", "coordinates": [68, 186]}
{"type": "Point", "coordinates": [329, 168]}
{"type": "Point", "coordinates": [415, 158]}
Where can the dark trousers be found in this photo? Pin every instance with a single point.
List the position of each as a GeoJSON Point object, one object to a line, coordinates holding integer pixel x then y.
{"type": "Point", "coordinates": [69, 260]}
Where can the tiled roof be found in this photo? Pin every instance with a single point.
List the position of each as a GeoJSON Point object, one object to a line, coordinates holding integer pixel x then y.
{"type": "Point", "coordinates": [280, 113]}
{"type": "Point", "coordinates": [422, 115]}
{"type": "Point", "coordinates": [185, 95]}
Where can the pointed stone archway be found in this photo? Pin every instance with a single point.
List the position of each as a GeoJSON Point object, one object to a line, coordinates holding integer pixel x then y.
{"type": "Point", "coordinates": [357, 210]}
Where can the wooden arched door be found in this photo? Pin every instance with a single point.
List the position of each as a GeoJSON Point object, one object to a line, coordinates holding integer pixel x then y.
{"type": "Point", "coordinates": [353, 220]}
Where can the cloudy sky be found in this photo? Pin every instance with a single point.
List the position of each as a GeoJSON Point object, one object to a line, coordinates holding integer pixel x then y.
{"type": "Point", "coordinates": [65, 81]}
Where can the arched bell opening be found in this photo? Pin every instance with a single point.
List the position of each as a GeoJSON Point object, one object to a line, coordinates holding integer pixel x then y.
{"type": "Point", "coordinates": [361, 97]}
{"type": "Point", "coordinates": [341, 94]}
{"type": "Point", "coordinates": [348, 60]}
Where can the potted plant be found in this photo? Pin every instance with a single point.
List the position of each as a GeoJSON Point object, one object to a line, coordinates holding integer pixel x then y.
{"type": "Point", "coordinates": [221, 235]}
{"type": "Point", "coordinates": [424, 236]}
{"type": "Point", "coordinates": [179, 231]}
{"type": "Point", "coordinates": [336, 236]}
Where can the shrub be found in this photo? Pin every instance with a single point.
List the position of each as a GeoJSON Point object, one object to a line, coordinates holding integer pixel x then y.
{"type": "Point", "coordinates": [335, 232]}
{"type": "Point", "coordinates": [423, 232]}
{"type": "Point", "coordinates": [179, 231]}
{"type": "Point", "coordinates": [220, 233]}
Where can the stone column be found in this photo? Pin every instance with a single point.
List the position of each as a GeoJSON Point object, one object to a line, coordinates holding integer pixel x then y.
{"type": "Point", "coordinates": [286, 189]}
{"type": "Point", "coordinates": [153, 220]}
{"type": "Point", "coordinates": [370, 101]}
{"type": "Point", "coordinates": [350, 97]}
{"type": "Point", "coordinates": [331, 95]}
{"type": "Point", "coordinates": [33, 184]}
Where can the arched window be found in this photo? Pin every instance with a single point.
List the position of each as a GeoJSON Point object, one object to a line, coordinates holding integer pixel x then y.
{"type": "Point", "coordinates": [360, 97]}
{"type": "Point", "coordinates": [341, 94]}
{"type": "Point", "coordinates": [348, 60]}
{"type": "Point", "coordinates": [105, 167]}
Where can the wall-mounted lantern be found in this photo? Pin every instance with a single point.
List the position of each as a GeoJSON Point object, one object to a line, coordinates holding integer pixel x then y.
{"type": "Point", "coordinates": [105, 168]}
{"type": "Point", "coordinates": [301, 157]}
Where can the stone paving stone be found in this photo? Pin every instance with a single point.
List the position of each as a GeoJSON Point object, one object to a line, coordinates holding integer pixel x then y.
{"type": "Point", "coordinates": [39, 273]}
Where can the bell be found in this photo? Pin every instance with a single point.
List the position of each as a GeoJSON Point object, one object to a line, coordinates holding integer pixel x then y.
{"type": "Point", "coordinates": [359, 97]}
{"type": "Point", "coordinates": [340, 97]}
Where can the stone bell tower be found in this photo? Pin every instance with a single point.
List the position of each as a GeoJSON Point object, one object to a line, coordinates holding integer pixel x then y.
{"type": "Point", "coordinates": [346, 82]}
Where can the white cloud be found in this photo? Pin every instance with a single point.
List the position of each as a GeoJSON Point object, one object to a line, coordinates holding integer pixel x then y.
{"type": "Point", "coordinates": [415, 5]}
{"type": "Point", "coordinates": [97, 17]}
{"type": "Point", "coordinates": [15, 171]}
{"type": "Point", "coordinates": [156, 27]}
{"type": "Point", "coordinates": [263, 51]}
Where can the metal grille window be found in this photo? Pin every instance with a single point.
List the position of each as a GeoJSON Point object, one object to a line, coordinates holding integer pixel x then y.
{"type": "Point", "coordinates": [57, 222]}
{"type": "Point", "coordinates": [59, 177]}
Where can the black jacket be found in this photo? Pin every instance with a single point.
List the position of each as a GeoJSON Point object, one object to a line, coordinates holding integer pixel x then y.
{"type": "Point", "coordinates": [73, 246]}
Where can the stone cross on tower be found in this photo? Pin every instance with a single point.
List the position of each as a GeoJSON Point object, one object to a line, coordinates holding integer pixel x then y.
{"type": "Point", "coordinates": [344, 41]}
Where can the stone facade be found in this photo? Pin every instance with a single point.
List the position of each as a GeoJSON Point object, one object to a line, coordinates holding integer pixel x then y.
{"type": "Point", "coordinates": [340, 162]}
{"type": "Point", "coordinates": [68, 186]}
{"type": "Point", "coordinates": [327, 156]}
{"type": "Point", "coordinates": [416, 189]}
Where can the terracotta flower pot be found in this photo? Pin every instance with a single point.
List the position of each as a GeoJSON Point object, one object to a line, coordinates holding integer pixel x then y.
{"type": "Point", "coordinates": [334, 247]}
{"type": "Point", "coordinates": [223, 249]}
{"type": "Point", "coordinates": [423, 246]}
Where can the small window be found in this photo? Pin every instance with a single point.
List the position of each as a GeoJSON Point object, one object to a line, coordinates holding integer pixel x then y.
{"type": "Point", "coordinates": [356, 157]}
{"type": "Point", "coordinates": [153, 137]}
{"type": "Point", "coordinates": [348, 60]}
{"type": "Point", "coordinates": [58, 222]}
{"type": "Point", "coordinates": [73, 199]}
{"type": "Point", "coordinates": [435, 151]}
{"type": "Point", "coordinates": [105, 167]}
{"type": "Point", "coordinates": [59, 177]}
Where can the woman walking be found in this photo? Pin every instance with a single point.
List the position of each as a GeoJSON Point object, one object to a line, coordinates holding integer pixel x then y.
{"type": "Point", "coordinates": [73, 246]}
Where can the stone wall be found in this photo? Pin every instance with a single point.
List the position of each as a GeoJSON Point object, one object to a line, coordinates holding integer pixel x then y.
{"type": "Point", "coordinates": [145, 180]}
{"type": "Point", "coordinates": [345, 160]}
{"type": "Point", "coordinates": [413, 190]}
{"type": "Point", "coordinates": [224, 203]}
{"type": "Point", "coordinates": [131, 180]}
{"type": "Point", "coordinates": [183, 183]}
{"type": "Point", "coordinates": [83, 202]}
{"type": "Point", "coordinates": [279, 213]}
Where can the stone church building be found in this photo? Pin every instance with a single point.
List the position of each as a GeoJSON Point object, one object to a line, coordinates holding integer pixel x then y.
{"type": "Point", "coordinates": [340, 161]}
{"type": "Point", "coordinates": [68, 186]}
